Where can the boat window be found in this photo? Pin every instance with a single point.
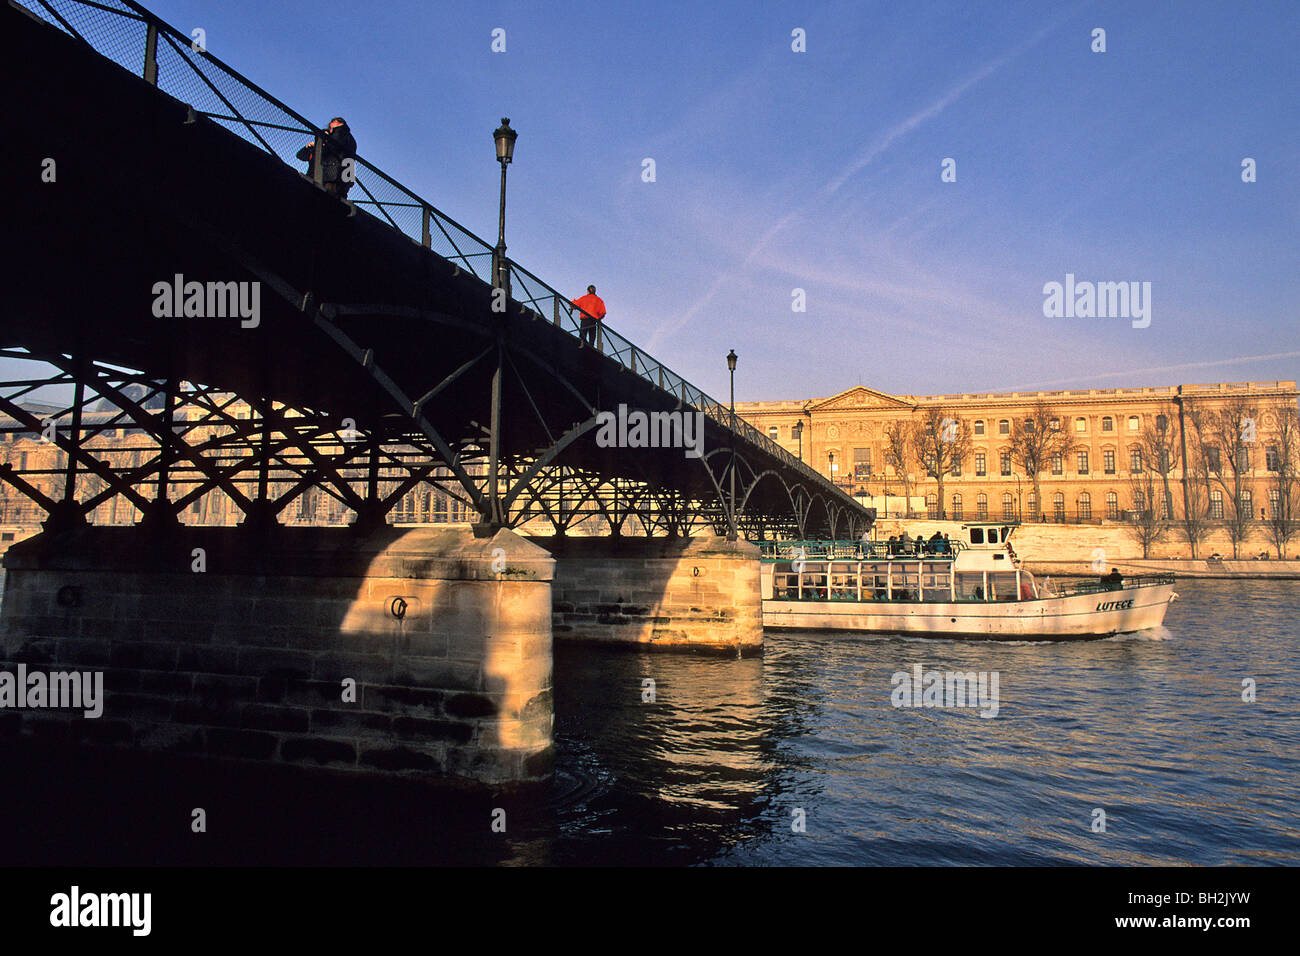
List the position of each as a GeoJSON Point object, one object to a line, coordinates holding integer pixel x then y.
{"type": "Point", "coordinates": [970, 587]}
{"type": "Point", "coordinates": [976, 535]}
{"type": "Point", "coordinates": [1002, 586]}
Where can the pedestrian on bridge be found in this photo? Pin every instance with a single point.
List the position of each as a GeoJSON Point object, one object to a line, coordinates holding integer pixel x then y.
{"type": "Point", "coordinates": [338, 157]}
{"type": "Point", "coordinates": [593, 313]}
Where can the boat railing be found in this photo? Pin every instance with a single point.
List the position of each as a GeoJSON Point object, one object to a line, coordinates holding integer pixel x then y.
{"type": "Point", "coordinates": [1072, 588]}
{"type": "Point", "coordinates": [858, 550]}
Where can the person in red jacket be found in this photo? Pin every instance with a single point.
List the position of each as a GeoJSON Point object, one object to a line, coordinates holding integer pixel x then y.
{"type": "Point", "coordinates": [593, 312]}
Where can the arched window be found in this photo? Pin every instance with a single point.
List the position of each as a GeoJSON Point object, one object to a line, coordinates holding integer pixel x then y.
{"type": "Point", "coordinates": [1008, 507]}
{"type": "Point", "coordinates": [1081, 425]}
{"type": "Point", "coordinates": [773, 431]}
{"type": "Point", "coordinates": [1134, 423]}
{"type": "Point", "coordinates": [1107, 424]}
{"type": "Point", "coordinates": [1085, 506]}
{"type": "Point", "coordinates": [1216, 504]}
{"type": "Point", "coordinates": [1031, 504]}
{"type": "Point", "coordinates": [1140, 502]}
{"type": "Point", "coordinates": [1004, 427]}
{"type": "Point", "coordinates": [1112, 506]}
{"type": "Point", "coordinates": [1058, 506]}
{"type": "Point", "coordinates": [982, 507]}
{"type": "Point", "coordinates": [956, 508]}
{"type": "Point", "coordinates": [932, 506]}
{"type": "Point", "coordinates": [1247, 502]}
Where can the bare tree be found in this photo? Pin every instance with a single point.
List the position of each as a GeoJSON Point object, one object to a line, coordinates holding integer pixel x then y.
{"type": "Point", "coordinates": [1036, 440]}
{"type": "Point", "coordinates": [1195, 521]}
{"type": "Point", "coordinates": [1284, 485]}
{"type": "Point", "coordinates": [898, 452]}
{"type": "Point", "coordinates": [1160, 444]}
{"type": "Point", "coordinates": [1146, 520]}
{"type": "Point", "coordinates": [1227, 439]}
{"type": "Point", "coordinates": [940, 440]}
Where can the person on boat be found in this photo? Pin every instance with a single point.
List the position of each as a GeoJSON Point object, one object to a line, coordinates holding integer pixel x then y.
{"type": "Point", "coordinates": [947, 545]}
{"type": "Point", "coordinates": [1114, 581]}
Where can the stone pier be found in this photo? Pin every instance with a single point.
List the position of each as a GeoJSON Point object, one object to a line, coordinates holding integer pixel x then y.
{"type": "Point", "coordinates": [692, 594]}
{"type": "Point", "coordinates": [413, 652]}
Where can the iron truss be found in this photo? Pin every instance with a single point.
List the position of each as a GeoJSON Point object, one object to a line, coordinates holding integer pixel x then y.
{"type": "Point", "coordinates": [108, 445]}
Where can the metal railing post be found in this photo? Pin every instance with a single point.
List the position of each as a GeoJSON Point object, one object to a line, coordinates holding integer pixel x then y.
{"type": "Point", "coordinates": [424, 228]}
{"type": "Point", "coordinates": [151, 55]}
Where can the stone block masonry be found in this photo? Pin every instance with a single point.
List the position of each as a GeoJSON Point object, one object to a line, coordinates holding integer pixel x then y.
{"type": "Point", "coordinates": [447, 637]}
{"type": "Point", "coordinates": [691, 594]}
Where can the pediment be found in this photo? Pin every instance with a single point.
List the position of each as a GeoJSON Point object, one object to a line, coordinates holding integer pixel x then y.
{"type": "Point", "coordinates": [859, 397]}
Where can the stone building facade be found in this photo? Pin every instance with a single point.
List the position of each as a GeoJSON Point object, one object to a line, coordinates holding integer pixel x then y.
{"type": "Point", "coordinates": [844, 437]}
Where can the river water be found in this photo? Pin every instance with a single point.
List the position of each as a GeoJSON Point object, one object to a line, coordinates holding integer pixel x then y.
{"type": "Point", "coordinates": [1151, 728]}
{"type": "Point", "coordinates": [797, 757]}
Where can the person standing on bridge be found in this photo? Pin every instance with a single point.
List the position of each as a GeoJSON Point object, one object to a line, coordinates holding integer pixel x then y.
{"type": "Point", "coordinates": [338, 157]}
{"type": "Point", "coordinates": [593, 313]}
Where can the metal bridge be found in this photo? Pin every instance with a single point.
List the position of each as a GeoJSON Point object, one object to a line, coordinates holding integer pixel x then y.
{"type": "Point", "coordinates": [375, 365]}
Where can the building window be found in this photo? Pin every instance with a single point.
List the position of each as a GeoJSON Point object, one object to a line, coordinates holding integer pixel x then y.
{"type": "Point", "coordinates": [1135, 460]}
{"type": "Point", "coordinates": [1134, 424]}
{"type": "Point", "coordinates": [1274, 503]}
{"type": "Point", "coordinates": [956, 467]}
{"type": "Point", "coordinates": [979, 427]}
{"type": "Point", "coordinates": [862, 463]}
{"type": "Point", "coordinates": [1004, 427]}
{"type": "Point", "coordinates": [1058, 506]}
{"type": "Point", "coordinates": [982, 507]}
{"type": "Point", "coordinates": [1055, 424]}
{"type": "Point", "coordinates": [1004, 460]}
{"type": "Point", "coordinates": [1216, 504]}
{"type": "Point", "coordinates": [1162, 423]}
{"type": "Point", "coordinates": [1247, 503]}
{"type": "Point", "coordinates": [1108, 461]}
{"type": "Point", "coordinates": [956, 508]}
{"type": "Point", "coordinates": [1243, 459]}
{"type": "Point", "coordinates": [1271, 458]}
{"type": "Point", "coordinates": [1008, 507]}
{"type": "Point", "coordinates": [1140, 502]}
{"type": "Point", "coordinates": [1081, 425]}
{"type": "Point", "coordinates": [1085, 506]}
{"type": "Point", "coordinates": [1108, 424]}
{"type": "Point", "coordinates": [1212, 459]}
{"type": "Point", "coordinates": [773, 431]}
{"type": "Point", "coordinates": [1058, 464]}
{"type": "Point", "coordinates": [932, 506]}
{"type": "Point", "coordinates": [1083, 462]}
{"type": "Point", "coordinates": [1112, 506]}
{"type": "Point", "coordinates": [980, 464]}
{"type": "Point", "coordinates": [1032, 501]}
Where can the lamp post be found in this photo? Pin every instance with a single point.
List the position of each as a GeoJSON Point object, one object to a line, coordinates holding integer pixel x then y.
{"type": "Point", "coordinates": [505, 140]}
{"type": "Point", "coordinates": [831, 468]}
{"type": "Point", "coordinates": [1020, 508]}
{"type": "Point", "coordinates": [731, 501]}
{"type": "Point", "coordinates": [798, 434]}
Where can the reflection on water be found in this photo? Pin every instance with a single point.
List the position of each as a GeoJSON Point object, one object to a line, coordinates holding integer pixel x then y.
{"type": "Point", "coordinates": [1150, 728]}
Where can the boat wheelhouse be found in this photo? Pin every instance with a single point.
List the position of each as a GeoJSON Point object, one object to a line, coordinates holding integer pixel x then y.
{"type": "Point", "coordinates": [966, 583]}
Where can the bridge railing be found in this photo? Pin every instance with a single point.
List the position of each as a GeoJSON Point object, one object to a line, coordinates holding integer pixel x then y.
{"type": "Point", "coordinates": [179, 64]}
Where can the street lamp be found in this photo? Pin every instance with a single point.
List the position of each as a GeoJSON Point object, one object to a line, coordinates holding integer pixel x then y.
{"type": "Point", "coordinates": [798, 433]}
{"type": "Point", "coordinates": [831, 455]}
{"type": "Point", "coordinates": [505, 140]}
{"type": "Point", "coordinates": [731, 503]}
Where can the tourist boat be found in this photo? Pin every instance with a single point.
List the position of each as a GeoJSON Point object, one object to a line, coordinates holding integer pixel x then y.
{"type": "Point", "coordinates": [969, 586]}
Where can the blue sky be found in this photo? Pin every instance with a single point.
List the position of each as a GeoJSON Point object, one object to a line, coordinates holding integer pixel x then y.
{"type": "Point", "coordinates": [820, 170]}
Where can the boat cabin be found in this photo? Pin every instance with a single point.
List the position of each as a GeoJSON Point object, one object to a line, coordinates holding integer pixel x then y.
{"type": "Point", "coordinates": [973, 562]}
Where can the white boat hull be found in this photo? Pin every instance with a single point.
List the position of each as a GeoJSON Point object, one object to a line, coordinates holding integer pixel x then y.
{"type": "Point", "coordinates": [1077, 616]}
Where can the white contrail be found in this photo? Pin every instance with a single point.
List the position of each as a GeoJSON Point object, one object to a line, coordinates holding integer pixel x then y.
{"type": "Point", "coordinates": [1241, 360]}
